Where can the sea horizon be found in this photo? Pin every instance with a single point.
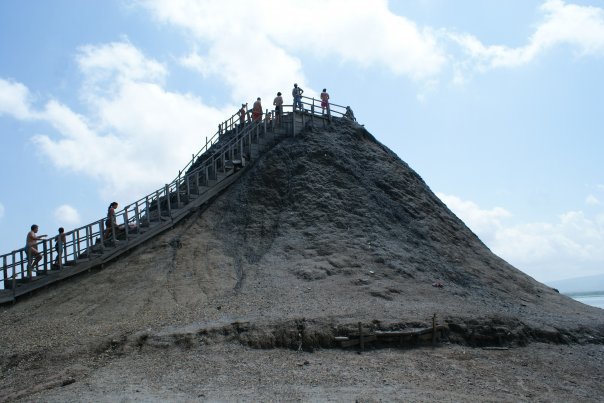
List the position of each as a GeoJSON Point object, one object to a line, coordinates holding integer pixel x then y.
{"type": "Point", "coordinates": [595, 298]}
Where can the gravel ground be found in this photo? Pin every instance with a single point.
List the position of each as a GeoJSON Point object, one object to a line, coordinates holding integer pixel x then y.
{"type": "Point", "coordinates": [327, 229]}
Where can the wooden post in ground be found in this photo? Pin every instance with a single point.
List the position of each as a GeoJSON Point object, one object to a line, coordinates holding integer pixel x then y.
{"type": "Point", "coordinates": [361, 339]}
{"type": "Point", "coordinates": [433, 330]}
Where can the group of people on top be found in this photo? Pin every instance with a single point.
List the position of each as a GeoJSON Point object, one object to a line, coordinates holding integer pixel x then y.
{"type": "Point", "coordinates": [297, 92]}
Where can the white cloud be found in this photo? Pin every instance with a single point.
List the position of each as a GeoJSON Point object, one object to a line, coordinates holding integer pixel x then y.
{"type": "Point", "coordinates": [1, 210]}
{"type": "Point", "coordinates": [67, 216]}
{"type": "Point", "coordinates": [580, 27]}
{"type": "Point", "coordinates": [570, 246]}
{"type": "Point", "coordinates": [485, 223]}
{"type": "Point", "coordinates": [136, 135]}
{"type": "Point", "coordinates": [592, 200]}
{"type": "Point", "coordinates": [259, 44]}
{"type": "Point", "coordinates": [14, 100]}
{"type": "Point", "coordinates": [109, 66]}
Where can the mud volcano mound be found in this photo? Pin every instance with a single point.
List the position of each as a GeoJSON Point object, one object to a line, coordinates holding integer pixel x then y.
{"type": "Point", "coordinates": [325, 230]}
{"type": "Point", "coordinates": [332, 224]}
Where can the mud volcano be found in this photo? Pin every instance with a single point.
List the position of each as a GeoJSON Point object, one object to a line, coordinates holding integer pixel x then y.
{"type": "Point", "coordinates": [326, 230]}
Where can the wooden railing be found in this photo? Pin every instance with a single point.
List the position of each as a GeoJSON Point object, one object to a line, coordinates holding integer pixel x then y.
{"type": "Point", "coordinates": [232, 142]}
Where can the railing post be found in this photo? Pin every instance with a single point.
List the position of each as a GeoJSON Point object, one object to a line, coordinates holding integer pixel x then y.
{"type": "Point", "coordinates": [126, 222]}
{"type": "Point", "coordinates": [137, 217]}
{"type": "Point", "coordinates": [44, 256]}
{"type": "Point", "coordinates": [4, 272]}
{"type": "Point", "coordinates": [178, 191]}
{"type": "Point", "coordinates": [102, 232]}
{"type": "Point", "coordinates": [241, 155]}
{"type": "Point", "coordinates": [188, 186]}
{"type": "Point", "coordinates": [51, 253]}
{"type": "Point", "coordinates": [167, 190]}
{"type": "Point", "coordinates": [158, 203]}
{"type": "Point", "coordinates": [76, 247]}
{"type": "Point", "coordinates": [147, 212]}
{"type": "Point", "coordinates": [88, 240]}
{"type": "Point", "coordinates": [113, 225]}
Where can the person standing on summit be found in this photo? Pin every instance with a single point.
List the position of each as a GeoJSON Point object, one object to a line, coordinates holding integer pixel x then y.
{"type": "Point", "coordinates": [278, 102]}
{"type": "Point", "coordinates": [324, 101]}
{"type": "Point", "coordinates": [297, 94]}
{"type": "Point", "coordinates": [257, 111]}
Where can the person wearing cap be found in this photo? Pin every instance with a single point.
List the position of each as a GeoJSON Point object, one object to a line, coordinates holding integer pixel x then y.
{"type": "Point", "coordinates": [257, 111]}
{"type": "Point", "coordinates": [278, 102]}
{"type": "Point", "coordinates": [297, 94]}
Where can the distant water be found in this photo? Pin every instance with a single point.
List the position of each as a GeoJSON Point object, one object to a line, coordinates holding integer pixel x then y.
{"type": "Point", "coordinates": [594, 299]}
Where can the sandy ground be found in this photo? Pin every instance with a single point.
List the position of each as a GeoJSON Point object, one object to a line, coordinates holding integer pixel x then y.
{"type": "Point", "coordinates": [230, 372]}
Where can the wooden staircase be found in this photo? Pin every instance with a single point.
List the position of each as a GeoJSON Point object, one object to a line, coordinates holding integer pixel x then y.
{"type": "Point", "coordinates": [207, 175]}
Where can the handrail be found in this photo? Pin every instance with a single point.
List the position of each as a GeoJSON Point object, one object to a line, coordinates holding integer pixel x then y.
{"type": "Point", "coordinates": [90, 240]}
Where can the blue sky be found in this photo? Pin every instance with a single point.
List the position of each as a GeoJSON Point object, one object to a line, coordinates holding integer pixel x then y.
{"type": "Point", "coordinates": [497, 105]}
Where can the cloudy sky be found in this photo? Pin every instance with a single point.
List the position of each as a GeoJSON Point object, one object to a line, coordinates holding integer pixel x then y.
{"type": "Point", "coordinates": [496, 104]}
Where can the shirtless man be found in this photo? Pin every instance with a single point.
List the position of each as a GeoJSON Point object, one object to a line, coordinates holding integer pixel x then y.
{"type": "Point", "coordinates": [278, 102]}
{"type": "Point", "coordinates": [31, 250]}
